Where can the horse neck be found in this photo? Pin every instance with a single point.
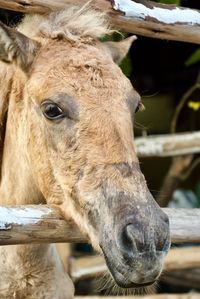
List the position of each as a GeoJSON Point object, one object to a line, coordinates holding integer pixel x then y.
{"type": "Point", "coordinates": [17, 187]}
{"type": "Point", "coordinates": [17, 184]}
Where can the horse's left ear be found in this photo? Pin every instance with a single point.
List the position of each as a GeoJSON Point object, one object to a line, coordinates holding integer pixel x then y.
{"type": "Point", "coordinates": [16, 48]}
{"type": "Point", "coordinates": [120, 49]}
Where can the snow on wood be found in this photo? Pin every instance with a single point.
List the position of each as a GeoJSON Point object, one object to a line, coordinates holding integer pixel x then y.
{"type": "Point", "coordinates": [157, 21]}
{"type": "Point", "coordinates": [161, 14]}
{"type": "Point", "coordinates": [36, 224]}
{"type": "Point", "coordinates": [19, 216]}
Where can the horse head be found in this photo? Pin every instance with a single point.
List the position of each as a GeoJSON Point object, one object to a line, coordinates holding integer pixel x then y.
{"type": "Point", "coordinates": [76, 111]}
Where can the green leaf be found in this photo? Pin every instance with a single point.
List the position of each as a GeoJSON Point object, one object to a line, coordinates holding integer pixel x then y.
{"type": "Point", "coordinates": [194, 58]}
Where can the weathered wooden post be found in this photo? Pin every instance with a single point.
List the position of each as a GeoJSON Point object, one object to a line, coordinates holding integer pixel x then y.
{"type": "Point", "coordinates": [139, 17]}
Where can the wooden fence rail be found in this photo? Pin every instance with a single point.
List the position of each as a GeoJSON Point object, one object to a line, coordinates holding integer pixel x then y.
{"type": "Point", "coordinates": [155, 296]}
{"type": "Point", "coordinates": [45, 224]}
{"type": "Point", "coordinates": [139, 17]}
{"type": "Point", "coordinates": [168, 144]}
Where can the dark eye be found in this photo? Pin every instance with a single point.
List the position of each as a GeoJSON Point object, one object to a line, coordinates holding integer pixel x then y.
{"type": "Point", "coordinates": [51, 110]}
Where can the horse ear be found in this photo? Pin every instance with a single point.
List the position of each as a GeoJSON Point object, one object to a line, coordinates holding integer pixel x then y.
{"type": "Point", "coordinates": [120, 49]}
{"type": "Point", "coordinates": [16, 48]}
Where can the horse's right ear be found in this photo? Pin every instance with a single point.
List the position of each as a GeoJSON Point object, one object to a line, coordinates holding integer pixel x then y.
{"type": "Point", "coordinates": [16, 48]}
{"type": "Point", "coordinates": [119, 50]}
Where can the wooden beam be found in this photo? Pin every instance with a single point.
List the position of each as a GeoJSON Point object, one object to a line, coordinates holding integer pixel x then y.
{"type": "Point", "coordinates": [87, 267]}
{"type": "Point", "coordinates": [155, 296]}
{"type": "Point", "coordinates": [182, 258]}
{"type": "Point", "coordinates": [144, 18]}
{"type": "Point", "coordinates": [184, 225]}
{"type": "Point", "coordinates": [36, 224]}
{"type": "Point", "coordinates": [94, 266]}
{"type": "Point", "coordinates": [183, 278]}
{"type": "Point", "coordinates": [45, 224]}
{"type": "Point", "coordinates": [168, 145]}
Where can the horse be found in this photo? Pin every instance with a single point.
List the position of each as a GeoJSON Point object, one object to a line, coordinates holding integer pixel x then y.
{"type": "Point", "coordinates": [66, 131]}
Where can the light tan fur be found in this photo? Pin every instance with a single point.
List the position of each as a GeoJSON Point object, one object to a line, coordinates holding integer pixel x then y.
{"type": "Point", "coordinates": [73, 24]}
{"type": "Point", "coordinates": [77, 162]}
{"type": "Point", "coordinates": [34, 272]}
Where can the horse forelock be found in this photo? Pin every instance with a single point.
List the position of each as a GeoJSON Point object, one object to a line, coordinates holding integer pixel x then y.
{"type": "Point", "coordinates": [73, 23]}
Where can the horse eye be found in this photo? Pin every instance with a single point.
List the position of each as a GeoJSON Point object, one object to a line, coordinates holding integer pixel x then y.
{"type": "Point", "coordinates": [52, 111]}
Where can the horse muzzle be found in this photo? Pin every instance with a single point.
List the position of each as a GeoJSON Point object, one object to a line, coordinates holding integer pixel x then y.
{"type": "Point", "coordinates": [143, 270]}
{"type": "Point", "coordinates": [134, 245]}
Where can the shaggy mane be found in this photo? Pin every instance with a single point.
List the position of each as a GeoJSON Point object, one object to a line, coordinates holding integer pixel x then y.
{"type": "Point", "coordinates": [72, 23]}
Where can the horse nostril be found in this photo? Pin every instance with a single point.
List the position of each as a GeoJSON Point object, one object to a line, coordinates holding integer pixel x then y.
{"type": "Point", "coordinates": [128, 239]}
{"type": "Point", "coordinates": [135, 240]}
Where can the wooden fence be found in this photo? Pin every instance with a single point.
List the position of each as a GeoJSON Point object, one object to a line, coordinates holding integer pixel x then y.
{"type": "Point", "coordinates": [139, 17]}
{"type": "Point", "coordinates": [163, 296]}
{"type": "Point", "coordinates": [45, 224]}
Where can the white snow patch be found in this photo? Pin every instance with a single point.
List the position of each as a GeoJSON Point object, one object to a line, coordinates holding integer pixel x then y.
{"type": "Point", "coordinates": [20, 216]}
{"type": "Point", "coordinates": [168, 16]}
